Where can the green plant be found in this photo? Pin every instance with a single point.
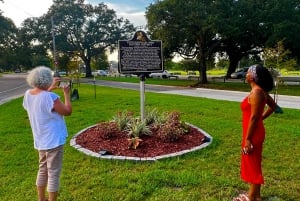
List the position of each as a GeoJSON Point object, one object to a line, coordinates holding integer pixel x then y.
{"type": "Point", "coordinates": [137, 128]}
{"type": "Point", "coordinates": [123, 119]}
{"type": "Point", "coordinates": [108, 129]}
{"type": "Point", "coordinates": [168, 127]}
{"type": "Point", "coordinates": [173, 128]}
{"type": "Point", "coordinates": [154, 117]}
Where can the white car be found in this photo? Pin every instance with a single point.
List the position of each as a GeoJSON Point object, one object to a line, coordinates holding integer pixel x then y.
{"type": "Point", "coordinates": [165, 74]}
{"type": "Point", "coordinates": [99, 73]}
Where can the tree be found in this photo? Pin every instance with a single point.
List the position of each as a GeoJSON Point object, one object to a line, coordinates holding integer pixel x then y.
{"type": "Point", "coordinates": [242, 28]}
{"type": "Point", "coordinates": [100, 62]}
{"type": "Point", "coordinates": [8, 37]}
{"type": "Point", "coordinates": [247, 27]}
{"type": "Point", "coordinates": [285, 18]}
{"type": "Point", "coordinates": [185, 27]}
{"type": "Point", "coordinates": [83, 28]}
{"type": "Point", "coordinates": [278, 57]}
{"type": "Point", "coordinates": [30, 49]}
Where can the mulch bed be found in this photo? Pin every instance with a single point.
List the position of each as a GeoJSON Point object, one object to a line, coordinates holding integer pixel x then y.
{"type": "Point", "coordinates": [150, 146]}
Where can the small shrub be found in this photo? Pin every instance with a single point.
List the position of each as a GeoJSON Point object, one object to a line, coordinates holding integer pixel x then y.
{"type": "Point", "coordinates": [123, 119]}
{"type": "Point", "coordinates": [168, 127]}
{"type": "Point", "coordinates": [154, 117]}
{"type": "Point", "coordinates": [137, 128]}
{"type": "Point", "coordinates": [172, 129]}
{"type": "Point", "coordinates": [108, 129]}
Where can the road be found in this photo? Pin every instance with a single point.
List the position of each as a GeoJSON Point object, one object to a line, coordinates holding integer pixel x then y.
{"type": "Point", "coordinates": [14, 85]}
{"type": "Point", "coordinates": [283, 101]}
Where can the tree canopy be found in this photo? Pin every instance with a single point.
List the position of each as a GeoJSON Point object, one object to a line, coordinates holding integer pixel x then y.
{"type": "Point", "coordinates": [75, 28]}
{"type": "Point", "coordinates": [238, 28]}
{"type": "Point", "coordinates": [8, 37]}
{"type": "Point", "coordinates": [85, 29]}
{"type": "Point", "coordinates": [195, 29]}
{"type": "Point", "coordinates": [185, 28]}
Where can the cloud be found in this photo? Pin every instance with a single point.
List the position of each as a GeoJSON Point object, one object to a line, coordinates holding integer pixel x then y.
{"type": "Point", "coordinates": [133, 14]}
{"type": "Point", "coordinates": [19, 10]}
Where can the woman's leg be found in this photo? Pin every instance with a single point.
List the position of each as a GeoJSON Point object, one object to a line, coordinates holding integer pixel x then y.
{"type": "Point", "coordinates": [53, 196]}
{"type": "Point", "coordinates": [54, 164]}
{"type": "Point", "coordinates": [41, 193]}
{"type": "Point", "coordinates": [258, 196]}
{"type": "Point", "coordinates": [254, 192]}
{"type": "Point", "coordinates": [42, 176]}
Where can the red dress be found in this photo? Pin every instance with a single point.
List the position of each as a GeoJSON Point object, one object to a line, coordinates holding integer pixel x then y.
{"type": "Point", "coordinates": [251, 170]}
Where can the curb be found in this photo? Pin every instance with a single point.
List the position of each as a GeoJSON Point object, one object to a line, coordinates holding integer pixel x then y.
{"type": "Point", "coordinates": [112, 157]}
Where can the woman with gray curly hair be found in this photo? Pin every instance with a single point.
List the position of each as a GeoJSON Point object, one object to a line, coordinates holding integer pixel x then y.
{"type": "Point", "coordinates": [46, 115]}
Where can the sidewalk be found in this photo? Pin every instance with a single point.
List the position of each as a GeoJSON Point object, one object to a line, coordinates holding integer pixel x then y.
{"type": "Point", "coordinates": [283, 101]}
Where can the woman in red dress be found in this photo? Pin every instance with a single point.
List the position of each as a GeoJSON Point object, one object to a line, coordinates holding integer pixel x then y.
{"type": "Point", "coordinates": [254, 111]}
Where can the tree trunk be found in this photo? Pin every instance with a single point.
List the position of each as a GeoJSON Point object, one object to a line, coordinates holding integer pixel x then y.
{"type": "Point", "coordinates": [233, 63]}
{"type": "Point", "coordinates": [203, 75]}
{"type": "Point", "coordinates": [87, 63]}
{"type": "Point", "coordinates": [202, 66]}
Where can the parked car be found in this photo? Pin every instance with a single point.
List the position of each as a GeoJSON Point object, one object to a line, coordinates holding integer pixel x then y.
{"type": "Point", "coordinates": [100, 73]}
{"type": "Point", "coordinates": [59, 73]}
{"type": "Point", "coordinates": [62, 73]}
{"type": "Point", "coordinates": [274, 72]}
{"type": "Point", "coordinates": [165, 74]}
{"type": "Point", "coordinates": [240, 73]}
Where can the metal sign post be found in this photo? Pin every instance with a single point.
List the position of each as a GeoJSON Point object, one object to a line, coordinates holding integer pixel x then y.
{"type": "Point", "coordinates": [142, 96]}
{"type": "Point", "coordinates": [140, 56]}
{"type": "Point", "coordinates": [95, 86]}
{"type": "Point", "coordinates": [56, 74]}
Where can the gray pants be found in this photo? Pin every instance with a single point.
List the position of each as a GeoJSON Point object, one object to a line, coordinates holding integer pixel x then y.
{"type": "Point", "coordinates": [50, 163]}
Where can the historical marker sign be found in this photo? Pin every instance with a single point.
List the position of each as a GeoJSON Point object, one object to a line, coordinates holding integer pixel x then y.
{"type": "Point", "coordinates": [140, 55]}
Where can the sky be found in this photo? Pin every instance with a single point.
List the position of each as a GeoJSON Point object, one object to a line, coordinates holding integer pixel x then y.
{"type": "Point", "coordinates": [19, 10]}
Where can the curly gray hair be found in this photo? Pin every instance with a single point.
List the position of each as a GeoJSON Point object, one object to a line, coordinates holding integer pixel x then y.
{"type": "Point", "coordinates": [40, 77]}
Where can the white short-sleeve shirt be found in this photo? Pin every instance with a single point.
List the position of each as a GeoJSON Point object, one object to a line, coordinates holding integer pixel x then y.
{"type": "Point", "coordinates": [48, 127]}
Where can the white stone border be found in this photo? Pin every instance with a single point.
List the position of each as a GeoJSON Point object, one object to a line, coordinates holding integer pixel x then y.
{"type": "Point", "coordinates": [97, 155]}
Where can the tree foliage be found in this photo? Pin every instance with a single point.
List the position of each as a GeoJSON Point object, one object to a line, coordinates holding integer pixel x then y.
{"type": "Point", "coordinates": [8, 37]}
{"type": "Point", "coordinates": [285, 18]}
{"type": "Point", "coordinates": [85, 29]}
{"type": "Point", "coordinates": [31, 49]}
{"type": "Point", "coordinates": [195, 29]}
{"type": "Point", "coordinates": [89, 30]}
{"type": "Point", "coordinates": [185, 28]}
{"type": "Point", "coordinates": [239, 28]}
{"type": "Point", "coordinates": [279, 57]}
{"type": "Point", "coordinates": [242, 28]}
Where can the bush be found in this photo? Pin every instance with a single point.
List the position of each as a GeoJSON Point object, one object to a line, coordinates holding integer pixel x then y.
{"type": "Point", "coordinates": [172, 129]}
{"type": "Point", "coordinates": [137, 128]}
{"type": "Point", "coordinates": [123, 119]}
{"type": "Point", "coordinates": [168, 127]}
{"type": "Point", "coordinates": [108, 129]}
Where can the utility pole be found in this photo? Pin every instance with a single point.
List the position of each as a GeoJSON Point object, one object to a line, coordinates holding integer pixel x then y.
{"type": "Point", "coordinates": [56, 74]}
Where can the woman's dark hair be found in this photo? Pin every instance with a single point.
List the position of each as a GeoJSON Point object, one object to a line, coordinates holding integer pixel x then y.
{"type": "Point", "coordinates": [265, 79]}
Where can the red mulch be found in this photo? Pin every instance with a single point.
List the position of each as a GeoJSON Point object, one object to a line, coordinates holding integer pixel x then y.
{"type": "Point", "coordinates": [151, 146]}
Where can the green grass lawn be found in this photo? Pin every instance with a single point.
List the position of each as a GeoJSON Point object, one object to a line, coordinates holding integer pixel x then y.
{"type": "Point", "coordinates": [210, 174]}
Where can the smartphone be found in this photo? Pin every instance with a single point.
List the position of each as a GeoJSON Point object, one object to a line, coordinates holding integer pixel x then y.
{"type": "Point", "coordinates": [63, 83]}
